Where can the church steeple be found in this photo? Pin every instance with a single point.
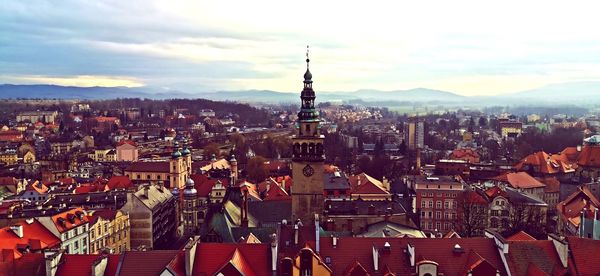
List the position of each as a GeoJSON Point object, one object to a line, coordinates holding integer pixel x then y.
{"type": "Point", "coordinates": [308, 113]}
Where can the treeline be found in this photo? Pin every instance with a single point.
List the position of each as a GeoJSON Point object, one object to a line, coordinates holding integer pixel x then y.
{"type": "Point", "coordinates": [242, 113]}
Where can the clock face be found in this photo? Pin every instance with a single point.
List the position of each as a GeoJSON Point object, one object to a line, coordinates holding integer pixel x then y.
{"type": "Point", "coordinates": [308, 171]}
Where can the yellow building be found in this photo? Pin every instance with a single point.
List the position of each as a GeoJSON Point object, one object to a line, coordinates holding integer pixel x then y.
{"type": "Point", "coordinates": [304, 263]}
{"type": "Point", "coordinates": [172, 173]}
{"type": "Point", "coordinates": [109, 231]}
{"type": "Point", "coordinates": [29, 157]}
{"type": "Point", "coordinates": [8, 157]}
{"type": "Point", "coordinates": [103, 155]}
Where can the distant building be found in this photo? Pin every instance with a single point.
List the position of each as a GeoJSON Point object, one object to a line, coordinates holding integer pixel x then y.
{"type": "Point", "coordinates": [509, 128]}
{"type": "Point", "coordinates": [436, 202]}
{"type": "Point", "coordinates": [173, 173]}
{"type": "Point", "coordinates": [127, 151]}
{"type": "Point", "coordinates": [47, 117]}
{"type": "Point", "coordinates": [109, 231]}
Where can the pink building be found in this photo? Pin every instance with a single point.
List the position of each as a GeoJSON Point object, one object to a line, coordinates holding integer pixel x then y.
{"type": "Point", "coordinates": [127, 151]}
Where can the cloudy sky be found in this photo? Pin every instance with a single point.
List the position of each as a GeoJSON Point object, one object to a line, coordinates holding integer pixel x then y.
{"type": "Point", "coordinates": [468, 47]}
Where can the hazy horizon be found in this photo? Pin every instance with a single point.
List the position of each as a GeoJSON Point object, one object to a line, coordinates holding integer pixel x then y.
{"type": "Point", "coordinates": [468, 48]}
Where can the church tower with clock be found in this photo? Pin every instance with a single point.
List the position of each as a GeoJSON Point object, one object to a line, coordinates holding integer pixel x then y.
{"type": "Point", "coordinates": [308, 157]}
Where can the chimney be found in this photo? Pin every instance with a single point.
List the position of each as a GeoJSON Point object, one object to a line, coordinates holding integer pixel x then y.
{"type": "Point", "coordinates": [411, 254]}
{"type": "Point", "coordinates": [375, 259]}
{"type": "Point", "coordinates": [296, 233]}
{"type": "Point", "coordinates": [146, 189]}
{"type": "Point", "coordinates": [334, 241]}
{"type": "Point", "coordinates": [18, 230]}
{"type": "Point", "coordinates": [190, 254]}
{"type": "Point", "coordinates": [245, 209]}
{"type": "Point", "coordinates": [386, 184]}
{"type": "Point", "coordinates": [99, 266]}
{"type": "Point", "coordinates": [317, 238]}
{"type": "Point", "coordinates": [52, 259]}
{"type": "Point", "coordinates": [274, 253]}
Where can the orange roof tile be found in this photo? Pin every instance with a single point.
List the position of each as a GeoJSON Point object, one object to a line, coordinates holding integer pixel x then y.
{"type": "Point", "coordinates": [521, 236]}
{"type": "Point", "coordinates": [35, 236]}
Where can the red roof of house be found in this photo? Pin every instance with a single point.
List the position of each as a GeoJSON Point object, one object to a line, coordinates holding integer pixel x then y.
{"type": "Point", "coordinates": [39, 187]}
{"type": "Point", "coordinates": [495, 191]}
{"type": "Point", "coordinates": [547, 164]}
{"type": "Point", "coordinates": [533, 257]}
{"type": "Point", "coordinates": [521, 180]}
{"type": "Point", "coordinates": [521, 236]}
{"type": "Point", "coordinates": [552, 184]}
{"type": "Point", "coordinates": [156, 166]}
{"type": "Point", "coordinates": [129, 142]}
{"type": "Point", "coordinates": [31, 264]}
{"type": "Point", "coordinates": [119, 182]}
{"type": "Point", "coordinates": [589, 156]}
{"type": "Point", "coordinates": [368, 184]}
{"type": "Point", "coordinates": [571, 207]}
{"type": "Point", "coordinates": [475, 198]}
{"type": "Point", "coordinates": [35, 235]}
{"type": "Point", "coordinates": [275, 192]}
{"type": "Point", "coordinates": [204, 184]}
{"type": "Point", "coordinates": [70, 219]}
{"type": "Point", "coordinates": [147, 262]}
{"type": "Point", "coordinates": [90, 188]}
{"type": "Point", "coordinates": [584, 255]}
{"type": "Point", "coordinates": [8, 180]}
{"type": "Point", "coordinates": [251, 188]}
{"type": "Point", "coordinates": [475, 252]}
{"type": "Point", "coordinates": [248, 258]}
{"type": "Point", "coordinates": [82, 264]}
{"type": "Point", "coordinates": [462, 153]}
{"type": "Point", "coordinates": [106, 119]}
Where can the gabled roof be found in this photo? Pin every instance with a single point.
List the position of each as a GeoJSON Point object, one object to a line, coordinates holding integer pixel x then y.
{"type": "Point", "coordinates": [368, 185]}
{"type": "Point", "coordinates": [204, 183]}
{"type": "Point", "coordinates": [155, 166]}
{"type": "Point", "coordinates": [247, 258]}
{"type": "Point", "coordinates": [82, 264]}
{"type": "Point", "coordinates": [544, 163]}
{"type": "Point", "coordinates": [462, 153]}
{"type": "Point", "coordinates": [147, 262]}
{"type": "Point", "coordinates": [495, 191]}
{"type": "Point", "coordinates": [584, 255]}
{"type": "Point", "coordinates": [541, 254]}
{"type": "Point", "coordinates": [35, 236]}
{"type": "Point", "coordinates": [37, 187]}
{"type": "Point", "coordinates": [119, 182]}
{"type": "Point", "coordinates": [65, 221]}
{"type": "Point", "coordinates": [521, 236]}
{"type": "Point", "coordinates": [275, 192]}
{"type": "Point", "coordinates": [348, 250]}
{"type": "Point", "coordinates": [126, 142]}
{"type": "Point", "coordinates": [589, 156]}
{"type": "Point", "coordinates": [571, 207]}
{"type": "Point", "coordinates": [521, 180]}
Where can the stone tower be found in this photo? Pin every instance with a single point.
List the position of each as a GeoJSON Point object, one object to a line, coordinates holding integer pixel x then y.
{"type": "Point", "coordinates": [308, 157]}
{"type": "Point", "coordinates": [189, 209]}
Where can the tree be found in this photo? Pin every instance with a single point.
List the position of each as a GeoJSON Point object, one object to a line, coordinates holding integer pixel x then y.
{"type": "Point", "coordinates": [210, 150]}
{"type": "Point", "coordinates": [526, 218]}
{"type": "Point", "coordinates": [482, 121]}
{"type": "Point", "coordinates": [256, 169]}
{"type": "Point", "coordinates": [472, 213]}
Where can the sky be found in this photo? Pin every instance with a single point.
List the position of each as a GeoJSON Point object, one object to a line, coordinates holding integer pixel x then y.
{"type": "Point", "coordinates": [466, 47]}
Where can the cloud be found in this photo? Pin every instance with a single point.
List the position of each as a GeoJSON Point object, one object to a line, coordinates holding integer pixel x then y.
{"type": "Point", "coordinates": [469, 47]}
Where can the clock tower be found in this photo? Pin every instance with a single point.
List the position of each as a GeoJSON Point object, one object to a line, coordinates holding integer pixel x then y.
{"type": "Point", "coordinates": [308, 157]}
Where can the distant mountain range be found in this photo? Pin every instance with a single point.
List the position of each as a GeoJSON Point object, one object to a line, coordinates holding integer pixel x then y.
{"type": "Point", "coordinates": [563, 93]}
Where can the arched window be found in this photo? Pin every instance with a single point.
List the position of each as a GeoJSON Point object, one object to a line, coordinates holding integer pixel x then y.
{"type": "Point", "coordinates": [311, 148]}
{"type": "Point", "coordinates": [304, 149]}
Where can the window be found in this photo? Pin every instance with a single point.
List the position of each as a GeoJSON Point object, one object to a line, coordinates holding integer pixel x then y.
{"type": "Point", "coordinates": [158, 177]}
{"type": "Point", "coordinates": [147, 176]}
{"type": "Point", "coordinates": [453, 215]}
{"type": "Point", "coordinates": [446, 205]}
{"type": "Point", "coordinates": [431, 214]}
{"type": "Point", "coordinates": [422, 204]}
{"type": "Point", "coordinates": [430, 225]}
{"type": "Point", "coordinates": [139, 177]}
{"type": "Point", "coordinates": [438, 204]}
{"type": "Point", "coordinates": [446, 215]}
{"type": "Point", "coordinates": [438, 226]}
{"type": "Point", "coordinates": [76, 245]}
{"type": "Point", "coordinates": [423, 194]}
{"type": "Point", "coordinates": [430, 194]}
{"type": "Point", "coordinates": [431, 204]}
{"type": "Point", "coordinates": [438, 215]}
{"type": "Point", "coordinates": [423, 214]}
{"type": "Point", "coordinates": [446, 225]}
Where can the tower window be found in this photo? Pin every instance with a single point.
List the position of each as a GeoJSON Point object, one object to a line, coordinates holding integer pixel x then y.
{"type": "Point", "coordinates": [307, 128]}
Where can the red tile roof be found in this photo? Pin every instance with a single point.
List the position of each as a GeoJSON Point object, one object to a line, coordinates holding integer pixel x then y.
{"type": "Point", "coordinates": [464, 154]}
{"type": "Point", "coordinates": [35, 235]}
{"type": "Point", "coordinates": [552, 184]}
{"type": "Point", "coordinates": [147, 262]}
{"type": "Point", "coordinates": [123, 142]}
{"type": "Point", "coordinates": [31, 264]}
{"type": "Point", "coordinates": [119, 182]}
{"type": "Point", "coordinates": [70, 219]}
{"type": "Point", "coordinates": [82, 264]}
{"type": "Point", "coordinates": [368, 185]}
{"type": "Point", "coordinates": [475, 251]}
{"type": "Point", "coordinates": [494, 192]}
{"type": "Point", "coordinates": [204, 184]}
{"type": "Point", "coordinates": [584, 255]}
{"type": "Point", "coordinates": [521, 180]}
{"type": "Point", "coordinates": [141, 166]}
{"type": "Point", "coordinates": [589, 156]}
{"type": "Point", "coordinates": [39, 187]}
{"type": "Point", "coordinates": [275, 192]}
{"type": "Point", "coordinates": [541, 254]}
{"type": "Point", "coordinates": [248, 258]}
{"type": "Point", "coordinates": [521, 236]}
{"type": "Point", "coordinates": [570, 208]}
{"type": "Point", "coordinates": [545, 163]}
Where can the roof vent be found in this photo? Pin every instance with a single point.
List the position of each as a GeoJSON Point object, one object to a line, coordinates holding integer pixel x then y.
{"type": "Point", "coordinates": [387, 246]}
{"type": "Point", "coordinates": [458, 249]}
